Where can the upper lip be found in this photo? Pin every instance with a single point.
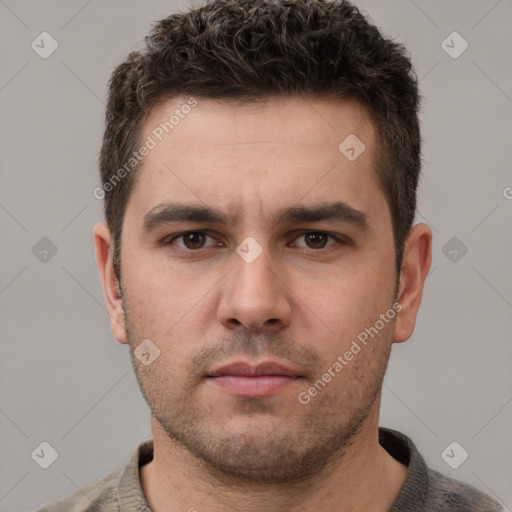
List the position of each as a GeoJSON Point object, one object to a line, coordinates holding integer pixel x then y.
{"type": "Point", "coordinates": [252, 370]}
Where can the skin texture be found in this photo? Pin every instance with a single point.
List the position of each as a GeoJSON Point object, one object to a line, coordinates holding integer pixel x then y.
{"type": "Point", "coordinates": [302, 302]}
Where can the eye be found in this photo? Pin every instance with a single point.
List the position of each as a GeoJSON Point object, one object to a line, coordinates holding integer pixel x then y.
{"type": "Point", "coordinates": [317, 239]}
{"type": "Point", "coordinates": [192, 240]}
{"type": "Point", "coordinates": [195, 240]}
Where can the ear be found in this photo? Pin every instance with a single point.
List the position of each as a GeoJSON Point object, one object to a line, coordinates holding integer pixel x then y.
{"type": "Point", "coordinates": [415, 266]}
{"type": "Point", "coordinates": [104, 250]}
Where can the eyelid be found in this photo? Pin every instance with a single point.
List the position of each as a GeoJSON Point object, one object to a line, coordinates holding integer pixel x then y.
{"type": "Point", "coordinates": [340, 239]}
{"type": "Point", "coordinates": [170, 239]}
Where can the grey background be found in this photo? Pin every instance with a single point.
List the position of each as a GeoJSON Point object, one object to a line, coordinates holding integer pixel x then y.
{"type": "Point", "coordinates": [65, 380]}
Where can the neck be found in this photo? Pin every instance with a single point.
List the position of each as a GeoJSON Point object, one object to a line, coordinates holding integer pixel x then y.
{"type": "Point", "coordinates": [364, 478]}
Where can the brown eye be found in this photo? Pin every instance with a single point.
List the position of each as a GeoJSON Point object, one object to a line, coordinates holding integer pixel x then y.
{"type": "Point", "coordinates": [316, 240]}
{"type": "Point", "coordinates": [191, 240]}
{"type": "Point", "coordinates": [194, 240]}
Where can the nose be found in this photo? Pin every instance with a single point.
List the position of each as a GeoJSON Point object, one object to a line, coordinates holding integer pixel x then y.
{"type": "Point", "coordinates": [255, 296]}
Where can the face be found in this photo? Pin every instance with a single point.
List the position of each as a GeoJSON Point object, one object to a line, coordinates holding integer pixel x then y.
{"type": "Point", "coordinates": [254, 254]}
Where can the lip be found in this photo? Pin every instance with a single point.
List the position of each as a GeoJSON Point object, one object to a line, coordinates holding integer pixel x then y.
{"type": "Point", "coordinates": [245, 369]}
{"type": "Point", "coordinates": [253, 381]}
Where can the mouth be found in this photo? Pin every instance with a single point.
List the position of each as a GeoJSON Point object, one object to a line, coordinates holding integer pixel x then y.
{"type": "Point", "coordinates": [253, 381]}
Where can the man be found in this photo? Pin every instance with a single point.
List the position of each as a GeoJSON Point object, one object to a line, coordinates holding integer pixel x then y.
{"type": "Point", "coordinates": [259, 170]}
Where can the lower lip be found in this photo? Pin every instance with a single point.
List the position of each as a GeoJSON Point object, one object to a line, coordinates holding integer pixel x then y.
{"type": "Point", "coordinates": [253, 387]}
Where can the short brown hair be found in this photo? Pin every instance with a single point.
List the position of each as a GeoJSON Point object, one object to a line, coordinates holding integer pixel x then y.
{"type": "Point", "coordinates": [249, 50]}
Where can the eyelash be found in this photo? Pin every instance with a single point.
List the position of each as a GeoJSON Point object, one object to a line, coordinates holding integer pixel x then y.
{"type": "Point", "coordinates": [339, 239]}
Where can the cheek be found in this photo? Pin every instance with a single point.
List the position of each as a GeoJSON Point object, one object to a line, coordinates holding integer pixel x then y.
{"type": "Point", "coordinates": [155, 289]}
{"type": "Point", "coordinates": [342, 307]}
{"type": "Point", "coordinates": [164, 307]}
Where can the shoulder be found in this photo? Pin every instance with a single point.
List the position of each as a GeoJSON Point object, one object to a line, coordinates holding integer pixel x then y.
{"type": "Point", "coordinates": [428, 490]}
{"type": "Point", "coordinates": [98, 496]}
{"type": "Point", "coordinates": [447, 494]}
{"type": "Point", "coordinates": [120, 490]}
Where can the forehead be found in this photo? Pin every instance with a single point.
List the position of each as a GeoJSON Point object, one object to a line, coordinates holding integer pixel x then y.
{"type": "Point", "coordinates": [296, 121]}
{"type": "Point", "coordinates": [257, 154]}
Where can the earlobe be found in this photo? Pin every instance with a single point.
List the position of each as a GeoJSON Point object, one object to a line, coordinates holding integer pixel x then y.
{"type": "Point", "coordinates": [415, 266]}
{"type": "Point", "coordinates": [111, 287]}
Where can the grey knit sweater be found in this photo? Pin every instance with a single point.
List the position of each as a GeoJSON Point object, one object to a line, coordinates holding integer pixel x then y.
{"type": "Point", "coordinates": [424, 490]}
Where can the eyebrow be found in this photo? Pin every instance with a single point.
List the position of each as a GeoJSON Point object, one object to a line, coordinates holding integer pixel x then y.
{"type": "Point", "coordinates": [166, 213]}
{"type": "Point", "coordinates": [338, 211]}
